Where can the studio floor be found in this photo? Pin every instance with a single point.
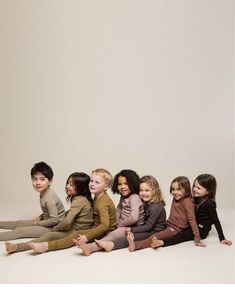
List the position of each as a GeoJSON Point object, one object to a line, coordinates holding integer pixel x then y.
{"type": "Point", "coordinates": [183, 263]}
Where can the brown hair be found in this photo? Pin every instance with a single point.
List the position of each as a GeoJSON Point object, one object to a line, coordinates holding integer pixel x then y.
{"type": "Point", "coordinates": [184, 183]}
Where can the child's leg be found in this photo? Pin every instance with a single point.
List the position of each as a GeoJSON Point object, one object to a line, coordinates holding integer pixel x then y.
{"type": "Point", "coordinates": [106, 245]}
{"type": "Point", "coordinates": [166, 233]}
{"type": "Point", "coordinates": [135, 245]}
{"type": "Point", "coordinates": [115, 234]}
{"type": "Point", "coordinates": [23, 246]}
{"type": "Point", "coordinates": [52, 235]}
{"type": "Point", "coordinates": [16, 247]}
{"type": "Point", "coordinates": [88, 248]}
{"type": "Point", "coordinates": [156, 243]}
{"type": "Point", "coordinates": [180, 237]}
{"type": "Point", "coordinates": [13, 224]}
{"type": "Point", "coordinates": [65, 242]}
{"type": "Point", "coordinates": [24, 232]}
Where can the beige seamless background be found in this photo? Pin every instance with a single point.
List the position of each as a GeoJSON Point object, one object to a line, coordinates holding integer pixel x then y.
{"type": "Point", "coordinates": [146, 85]}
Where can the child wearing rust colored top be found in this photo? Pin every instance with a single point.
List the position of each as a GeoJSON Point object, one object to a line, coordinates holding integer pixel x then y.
{"type": "Point", "coordinates": [204, 190]}
{"type": "Point", "coordinates": [181, 216]}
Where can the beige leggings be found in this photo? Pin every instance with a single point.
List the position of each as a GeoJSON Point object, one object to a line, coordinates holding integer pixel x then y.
{"type": "Point", "coordinates": [21, 229]}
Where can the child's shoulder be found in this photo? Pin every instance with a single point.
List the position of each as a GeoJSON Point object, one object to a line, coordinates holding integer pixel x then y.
{"type": "Point", "coordinates": [80, 199]}
{"type": "Point", "coordinates": [188, 201]}
{"type": "Point", "coordinates": [156, 206]}
{"type": "Point", "coordinates": [104, 200]}
{"type": "Point", "coordinates": [209, 203]}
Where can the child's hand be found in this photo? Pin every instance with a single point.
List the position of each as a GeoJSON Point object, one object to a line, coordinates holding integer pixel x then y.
{"type": "Point", "coordinates": [226, 242]}
{"type": "Point", "coordinates": [200, 244]}
{"type": "Point", "coordinates": [81, 239]}
{"type": "Point", "coordinates": [127, 229]}
{"type": "Point", "coordinates": [36, 221]}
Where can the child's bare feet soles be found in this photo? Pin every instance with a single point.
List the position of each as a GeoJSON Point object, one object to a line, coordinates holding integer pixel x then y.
{"type": "Point", "coordinates": [10, 247]}
{"type": "Point", "coordinates": [106, 245]}
{"type": "Point", "coordinates": [156, 243]}
{"type": "Point", "coordinates": [130, 238]}
{"type": "Point", "coordinates": [86, 248]}
{"type": "Point", "coordinates": [39, 247]}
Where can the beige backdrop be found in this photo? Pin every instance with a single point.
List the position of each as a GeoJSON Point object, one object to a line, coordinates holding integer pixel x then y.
{"type": "Point", "coordinates": [146, 85]}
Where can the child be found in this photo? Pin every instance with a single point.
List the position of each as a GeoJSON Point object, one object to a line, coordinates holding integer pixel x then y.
{"type": "Point", "coordinates": [104, 216]}
{"type": "Point", "coordinates": [51, 205]}
{"type": "Point", "coordinates": [154, 218]}
{"type": "Point", "coordinates": [130, 210]}
{"type": "Point", "coordinates": [79, 216]}
{"type": "Point", "coordinates": [181, 215]}
{"type": "Point", "coordinates": [204, 190]}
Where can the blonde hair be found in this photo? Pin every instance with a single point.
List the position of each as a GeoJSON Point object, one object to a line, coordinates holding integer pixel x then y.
{"type": "Point", "coordinates": [105, 174]}
{"type": "Point", "coordinates": [153, 183]}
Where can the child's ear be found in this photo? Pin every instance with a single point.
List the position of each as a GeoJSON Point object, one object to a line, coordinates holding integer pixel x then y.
{"type": "Point", "coordinates": [50, 182]}
{"type": "Point", "coordinates": [106, 187]}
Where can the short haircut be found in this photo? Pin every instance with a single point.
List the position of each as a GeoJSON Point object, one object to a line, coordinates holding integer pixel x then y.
{"type": "Point", "coordinates": [107, 176]}
{"type": "Point", "coordinates": [43, 168]}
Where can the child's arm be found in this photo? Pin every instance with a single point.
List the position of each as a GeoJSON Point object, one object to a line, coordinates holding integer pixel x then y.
{"type": "Point", "coordinates": [135, 204]}
{"type": "Point", "coordinates": [189, 208]}
{"type": "Point", "coordinates": [76, 208]}
{"type": "Point", "coordinates": [156, 215]}
{"type": "Point", "coordinates": [106, 210]}
{"type": "Point", "coordinates": [53, 212]}
{"type": "Point", "coordinates": [118, 210]}
{"type": "Point", "coordinates": [211, 209]}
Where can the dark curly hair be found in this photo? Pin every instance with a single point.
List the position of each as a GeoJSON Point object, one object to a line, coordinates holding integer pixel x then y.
{"type": "Point", "coordinates": [132, 179]}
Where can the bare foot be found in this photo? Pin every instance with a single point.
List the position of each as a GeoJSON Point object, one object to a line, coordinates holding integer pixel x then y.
{"type": "Point", "coordinates": [39, 247]}
{"type": "Point", "coordinates": [86, 248]}
{"type": "Point", "coordinates": [130, 238]}
{"type": "Point", "coordinates": [106, 245]}
{"type": "Point", "coordinates": [10, 247]}
{"type": "Point", "coordinates": [156, 243]}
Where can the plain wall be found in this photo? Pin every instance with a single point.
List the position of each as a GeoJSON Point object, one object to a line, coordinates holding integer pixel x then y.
{"type": "Point", "coordinates": [145, 85]}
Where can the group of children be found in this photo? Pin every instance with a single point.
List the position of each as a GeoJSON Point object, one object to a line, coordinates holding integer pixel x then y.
{"type": "Point", "coordinates": [93, 223]}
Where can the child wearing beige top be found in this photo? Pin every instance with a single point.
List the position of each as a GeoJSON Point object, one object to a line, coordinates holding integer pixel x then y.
{"type": "Point", "coordinates": [104, 217]}
{"type": "Point", "coordinates": [79, 216]}
{"type": "Point", "coordinates": [51, 205]}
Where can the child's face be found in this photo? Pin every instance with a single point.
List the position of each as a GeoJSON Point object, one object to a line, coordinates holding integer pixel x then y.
{"type": "Point", "coordinates": [198, 190]}
{"type": "Point", "coordinates": [40, 182]}
{"type": "Point", "coordinates": [123, 187]}
{"type": "Point", "coordinates": [97, 184]}
{"type": "Point", "coordinates": [177, 191]}
{"type": "Point", "coordinates": [70, 188]}
{"type": "Point", "coordinates": [146, 192]}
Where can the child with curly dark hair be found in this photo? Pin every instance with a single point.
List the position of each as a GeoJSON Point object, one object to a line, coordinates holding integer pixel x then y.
{"type": "Point", "coordinates": [130, 210]}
